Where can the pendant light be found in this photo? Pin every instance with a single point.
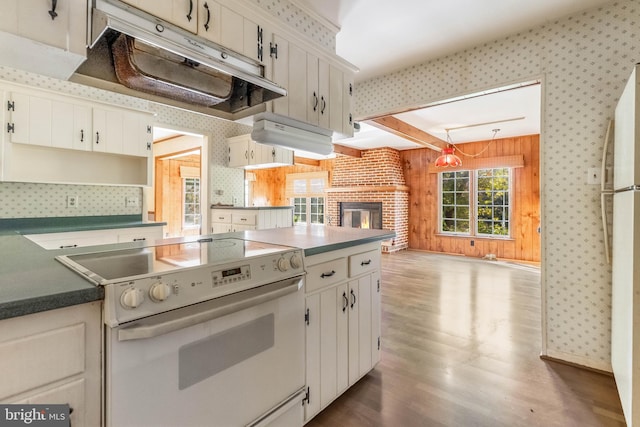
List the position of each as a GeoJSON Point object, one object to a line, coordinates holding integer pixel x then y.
{"type": "Point", "coordinates": [448, 158]}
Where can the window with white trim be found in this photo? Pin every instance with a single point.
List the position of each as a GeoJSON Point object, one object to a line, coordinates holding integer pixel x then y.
{"type": "Point", "coordinates": [306, 194]}
{"type": "Point", "coordinates": [476, 203]}
{"type": "Point", "coordinates": [191, 202]}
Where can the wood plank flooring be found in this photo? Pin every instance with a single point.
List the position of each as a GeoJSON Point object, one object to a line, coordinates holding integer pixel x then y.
{"type": "Point", "coordinates": [460, 347]}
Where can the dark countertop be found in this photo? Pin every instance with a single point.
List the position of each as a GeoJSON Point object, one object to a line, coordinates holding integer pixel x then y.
{"type": "Point", "coordinates": [32, 280]}
{"type": "Point", "coordinates": [71, 223]}
{"type": "Point", "coordinates": [251, 208]}
{"type": "Point", "coordinates": [316, 239]}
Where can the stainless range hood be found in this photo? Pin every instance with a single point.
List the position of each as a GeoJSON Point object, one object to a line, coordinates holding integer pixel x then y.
{"type": "Point", "coordinates": [135, 53]}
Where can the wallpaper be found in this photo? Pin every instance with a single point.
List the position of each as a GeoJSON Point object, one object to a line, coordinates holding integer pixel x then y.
{"type": "Point", "coordinates": [296, 18]}
{"type": "Point", "coordinates": [28, 200]}
{"type": "Point", "coordinates": [583, 61]}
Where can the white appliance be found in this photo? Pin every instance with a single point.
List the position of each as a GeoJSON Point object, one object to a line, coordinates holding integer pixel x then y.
{"type": "Point", "coordinates": [625, 307]}
{"type": "Point", "coordinates": [201, 333]}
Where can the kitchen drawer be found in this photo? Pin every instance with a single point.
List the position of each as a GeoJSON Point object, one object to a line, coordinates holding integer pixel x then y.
{"type": "Point", "coordinates": [221, 217]}
{"type": "Point", "coordinates": [148, 234]}
{"type": "Point", "coordinates": [326, 274]}
{"type": "Point", "coordinates": [364, 263]}
{"type": "Point", "coordinates": [243, 219]}
{"type": "Point", "coordinates": [72, 239]}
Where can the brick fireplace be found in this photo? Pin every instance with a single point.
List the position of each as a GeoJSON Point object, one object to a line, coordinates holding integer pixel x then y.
{"type": "Point", "coordinates": [377, 177]}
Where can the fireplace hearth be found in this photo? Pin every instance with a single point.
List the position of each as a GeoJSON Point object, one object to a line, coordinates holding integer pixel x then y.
{"type": "Point", "coordinates": [361, 214]}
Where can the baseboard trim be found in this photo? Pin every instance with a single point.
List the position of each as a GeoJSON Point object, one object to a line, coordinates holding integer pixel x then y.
{"type": "Point", "coordinates": [576, 365]}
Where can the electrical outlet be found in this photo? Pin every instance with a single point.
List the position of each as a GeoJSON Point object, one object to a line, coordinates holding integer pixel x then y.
{"type": "Point", "coordinates": [72, 201]}
{"type": "Point", "coordinates": [131, 202]}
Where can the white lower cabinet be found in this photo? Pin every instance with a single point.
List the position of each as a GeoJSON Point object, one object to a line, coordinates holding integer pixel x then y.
{"type": "Point", "coordinates": [53, 357]}
{"type": "Point", "coordinates": [76, 239]}
{"type": "Point", "coordinates": [229, 220]}
{"type": "Point", "coordinates": [343, 322]}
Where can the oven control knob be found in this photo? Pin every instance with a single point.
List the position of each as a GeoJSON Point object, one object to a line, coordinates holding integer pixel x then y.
{"type": "Point", "coordinates": [295, 261]}
{"type": "Point", "coordinates": [159, 291]}
{"type": "Point", "coordinates": [131, 298]}
{"type": "Point", "coordinates": [283, 264]}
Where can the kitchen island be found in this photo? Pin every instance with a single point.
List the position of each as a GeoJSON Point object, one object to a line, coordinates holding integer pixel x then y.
{"type": "Point", "coordinates": [31, 280]}
{"type": "Point", "coordinates": [51, 347]}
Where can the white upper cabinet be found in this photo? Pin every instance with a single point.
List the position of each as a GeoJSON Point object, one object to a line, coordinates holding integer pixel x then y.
{"type": "Point", "coordinates": [279, 53]}
{"type": "Point", "coordinates": [182, 13]}
{"type": "Point", "coordinates": [231, 29]}
{"type": "Point", "coordinates": [59, 127]}
{"type": "Point", "coordinates": [256, 40]}
{"type": "Point", "coordinates": [209, 20]}
{"type": "Point", "coordinates": [38, 37]}
{"type": "Point", "coordinates": [336, 87]}
{"type": "Point", "coordinates": [246, 153]}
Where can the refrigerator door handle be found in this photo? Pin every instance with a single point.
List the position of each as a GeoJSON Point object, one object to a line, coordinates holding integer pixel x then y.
{"type": "Point", "coordinates": [604, 192]}
{"type": "Point", "coordinates": [605, 228]}
{"type": "Point", "coordinates": [605, 149]}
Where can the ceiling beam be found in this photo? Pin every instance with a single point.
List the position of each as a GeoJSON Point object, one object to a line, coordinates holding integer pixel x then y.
{"type": "Point", "coordinates": [305, 161]}
{"type": "Point", "coordinates": [407, 131]}
{"type": "Point", "coordinates": [347, 151]}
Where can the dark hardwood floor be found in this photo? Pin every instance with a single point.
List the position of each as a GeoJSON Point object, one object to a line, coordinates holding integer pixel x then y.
{"type": "Point", "coordinates": [461, 343]}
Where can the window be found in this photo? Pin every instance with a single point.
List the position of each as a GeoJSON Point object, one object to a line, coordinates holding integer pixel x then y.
{"type": "Point", "coordinates": [191, 202]}
{"type": "Point", "coordinates": [475, 203]}
{"type": "Point", "coordinates": [492, 195]}
{"type": "Point", "coordinates": [306, 193]}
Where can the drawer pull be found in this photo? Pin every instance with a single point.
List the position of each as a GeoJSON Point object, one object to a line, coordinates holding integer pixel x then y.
{"type": "Point", "coordinates": [367, 262]}
{"type": "Point", "coordinates": [68, 246]}
{"type": "Point", "coordinates": [323, 275]}
{"type": "Point", "coordinates": [243, 219]}
{"type": "Point", "coordinates": [139, 239]}
{"type": "Point", "coordinates": [221, 218]}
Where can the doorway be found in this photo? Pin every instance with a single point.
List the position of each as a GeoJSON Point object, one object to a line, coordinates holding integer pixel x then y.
{"type": "Point", "coordinates": [179, 185]}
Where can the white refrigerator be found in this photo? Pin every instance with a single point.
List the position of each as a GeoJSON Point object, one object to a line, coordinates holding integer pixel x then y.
{"type": "Point", "coordinates": [625, 307]}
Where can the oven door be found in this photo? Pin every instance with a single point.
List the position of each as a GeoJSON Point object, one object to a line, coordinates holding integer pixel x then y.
{"type": "Point", "coordinates": [225, 362]}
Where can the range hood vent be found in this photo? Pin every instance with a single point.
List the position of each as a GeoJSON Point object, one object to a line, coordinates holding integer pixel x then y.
{"type": "Point", "coordinates": [134, 50]}
{"type": "Point", "coordinates": [273, 129]}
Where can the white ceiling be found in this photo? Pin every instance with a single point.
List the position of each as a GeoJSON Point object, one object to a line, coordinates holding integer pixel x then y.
{"type": "Point", "coordinates": [381, 36]}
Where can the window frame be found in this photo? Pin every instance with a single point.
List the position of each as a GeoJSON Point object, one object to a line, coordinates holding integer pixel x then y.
{"type": "Point", "coordinates": [474, 207]}
{"type": "Point", "coordinates": [186, 225]}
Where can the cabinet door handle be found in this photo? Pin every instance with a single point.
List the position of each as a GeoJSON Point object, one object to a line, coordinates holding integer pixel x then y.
{"type": "Point", "coordinates": [353, 298]}
{"type": "Point", "coordinates": [323, 275]}
{"type": "Point", "coordinates": [367, 262]}
{"type": "Point", "coordinates": [191, 10]}
{"type": "Point", "coordinates": [81, 135]}
{"type": "Point", "coordinates": [52, 12]}
{"type": "Point", "coordinates": [97, 137]}
{"type": "Point", "coordinates": [206, 23]}
{"type": "Point", "coordinates": [345, 300]}
{"type": "Point", "coordinates": [315, 101]}
{"type": "Point", "coordinates": [323, 104]}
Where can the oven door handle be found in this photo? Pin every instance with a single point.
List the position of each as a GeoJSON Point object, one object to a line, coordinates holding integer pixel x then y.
{"type": "Point", "coordinates": [188, 316]}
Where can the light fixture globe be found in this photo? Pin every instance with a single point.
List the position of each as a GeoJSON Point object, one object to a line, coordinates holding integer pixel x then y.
{"type": "Point", "coordinates": [448, 159]}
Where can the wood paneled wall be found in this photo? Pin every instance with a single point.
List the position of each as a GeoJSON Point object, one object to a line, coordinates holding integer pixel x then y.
{"type": "Point", "coordinates": [269, 187]}
{"type": "Point", "coordinates": [423, 202]}
{"type": "Point", "coordinates": [168, 193]}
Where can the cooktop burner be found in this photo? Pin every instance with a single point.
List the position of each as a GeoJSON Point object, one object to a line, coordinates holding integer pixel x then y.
{"type": "Point", "coordinates": [117, 265]}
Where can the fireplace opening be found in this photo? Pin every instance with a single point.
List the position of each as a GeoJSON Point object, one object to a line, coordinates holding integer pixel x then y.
{"type": "Point", "coordinates": [361, 214]}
